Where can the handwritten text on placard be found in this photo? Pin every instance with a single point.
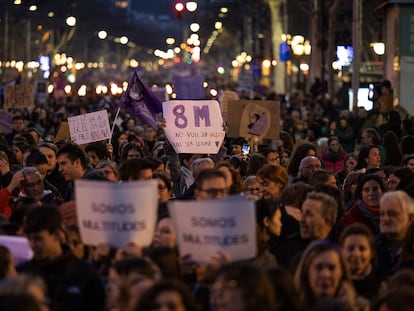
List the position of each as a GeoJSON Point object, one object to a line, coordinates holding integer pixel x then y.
{"type": "Point", "coordinates": [89, 127]}
{"type": "Point", "coordinates": [194, 126]}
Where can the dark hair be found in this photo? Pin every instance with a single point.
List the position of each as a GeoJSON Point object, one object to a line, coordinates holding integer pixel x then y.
{"type": "Point", "coordinates": [320, 177]}
{"type": "Point", "coordinates": [391, 145]}
{"type": "Point", "coordinates": [207, 174]}
{"type": "Point", "coordinates": [287, 140]}
{"type": "Point", "coordinates": [407, 249]}
{"type": "Point", "coordinates": [298, 154]}
{"type": "Point", "coordinates": [295, 194]}
{"type": "Point", "coordinates": [42, 218]}
{"type": "Point", "coordinates": [256, 162]}
{"type": "Point", "coordinates": [6, 259]}
{"type": "Point", "coordinates": [336, 194]}
{"type": "Point", "coordinates": [255, 287]}
{"type": "Point", "coordinates": [164, 178]}
{"type": "Point", "coordinates": [358, 229]}
{"type": "Point", "coordinates": [147, 302]}
{"type": "Point", "coordinates": [363, 154]}
{"type": "Point", "coordinates": [407, 145]}
{"type": "Point", "coordinates": [36, 158]}
{"type": "Point", "coordinates": [166, 259]}
{"type": "Point", "coordinates": [130, 146]}
{"type": "Point", "coordinates": [373, 133]}
{"type": "Point", "coordinates": [74, 152]}
{"type": "Point", "coordinates": [237, 186]}
{"type": "Point", "coordinates": [365, 178]}
{"type": "Point", "coordinates": [19, 302]}
{"type": "Point", "coordinates": [276, 173]}
{"type": "Point", "coordinates": [265, 208]}
{"type": "Point", "coordinates": [130, 169]}
{"type": "Point", "coordinates": [99, 148]}
{"type": "Point", "coordinates": [407, 158]}
{"type": "Point", "coordinates": [401, 299]}
{"type": "Point", "coordinates": [138, 265]}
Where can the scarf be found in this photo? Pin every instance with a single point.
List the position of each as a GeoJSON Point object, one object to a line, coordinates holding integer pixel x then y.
{"type": "Point", "coordinates": [333, 156]}
{"type": "Point", "coordinates": [371, 213]}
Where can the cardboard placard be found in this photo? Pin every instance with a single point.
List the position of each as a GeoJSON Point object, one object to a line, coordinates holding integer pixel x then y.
{"type": "Point", "coordinates": [18, 96]}
{"type": "Point", "coordinates": [89, 127]}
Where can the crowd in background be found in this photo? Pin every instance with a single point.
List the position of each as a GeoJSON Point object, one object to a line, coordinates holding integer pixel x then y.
{"type": "Point", "coordinates": [334, 213]}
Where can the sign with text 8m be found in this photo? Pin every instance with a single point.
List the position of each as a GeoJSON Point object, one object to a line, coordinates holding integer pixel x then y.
{"type": "Point", "coordinates": [194, 126]}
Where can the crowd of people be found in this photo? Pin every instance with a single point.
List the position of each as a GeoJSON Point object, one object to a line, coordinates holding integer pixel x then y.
{"type": "Point", "coordinates": [333, 194]}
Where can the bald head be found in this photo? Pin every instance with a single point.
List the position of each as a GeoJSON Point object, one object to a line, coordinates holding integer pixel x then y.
{"type": "Point", "coordinates": [308, 165]}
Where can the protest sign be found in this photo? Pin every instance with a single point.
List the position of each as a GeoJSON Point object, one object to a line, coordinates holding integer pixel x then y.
{"type": "Point", "coordinates": [18, 246]}
{"type": "Point", "coordinates": [18, 96]}
{"type": "Point", "coordinates": [194, 126]}
{"type": "Point", "coordinates": [63, 132]}
{"type": "Point", "coordinates": [116, 213]}
{"type": "Point", "coordinates": [224, 99]}
{"type": "Point", "coordinates": [6, 122]}
{"type": "Point", "coordinates": [248, 118]}
{"type": "Point", "coordinates": [89, 127]}
{"type": "Point", "coordinates": [205, 227]}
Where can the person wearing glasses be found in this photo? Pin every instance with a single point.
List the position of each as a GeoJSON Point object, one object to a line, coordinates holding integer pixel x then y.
{"type": "Point", "coordinates": [210, 184]}
{"type": "Point", "coordinates": [307, 166]}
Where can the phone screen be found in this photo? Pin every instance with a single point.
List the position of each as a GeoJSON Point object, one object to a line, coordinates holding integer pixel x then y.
{"type": "Point", "coordinates": [246, 149]}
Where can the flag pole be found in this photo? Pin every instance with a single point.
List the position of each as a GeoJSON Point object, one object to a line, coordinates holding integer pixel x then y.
{"type": "Point", "coordinates": [113, 125]}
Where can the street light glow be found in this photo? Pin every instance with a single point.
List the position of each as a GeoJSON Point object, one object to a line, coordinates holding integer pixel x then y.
{"type": "Point", "coordinates": [102, 34]}
{"type": "Point", "coordinates": [170, 41]}
{"type": "Point", "coordinates": [33, 8]}
{"type": "Point", "coordinates": [71, 21]}
{"type": "Point", "coordinates": [123, 40]}
{"type": "Point", "coordinates": [218, 25]}
{"type": "Point", "coordinates": [195, 27]}
{"type": "Point", "coordinates": [378, 47]}
{"type": "Point", "coordinates": [191, 6]}
{"type": "Point", "coordinates": [50, 14]}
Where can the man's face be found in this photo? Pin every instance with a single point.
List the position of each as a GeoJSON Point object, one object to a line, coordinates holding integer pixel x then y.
{"type": "Point", "coordinates": [18, 125]}
{"type": "Point", "coordinates": [50, 156]}
{"type": "Point", "coordinates": [145, 174]}
{"type": "Point", "coordinates": [393, 219]}
{"type": "Point", "coordinates": [33, 187]}
{"type": "Point", "coordinates": [213, 188]}
{"type": "Point", "coordinates": [236, 149]}
{"type": "Point", "coordinates": [69, 170]}
{"type": "Point", "coordinates": [45, 245]}
{"type": "Point", "coordinates": [366, 139]}
{"type": "Point", "coordinates": [313, 224]}
{"type": "Point", "coordinates": [93, 158]}
{"type": "Point", "coordinates": [309, 166]}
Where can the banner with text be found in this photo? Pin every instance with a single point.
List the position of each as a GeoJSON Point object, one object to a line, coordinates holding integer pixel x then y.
{"type": "Point", "coordinates": [260, 118]}
{"type": "Point", "coordinates": [116, 213]}
{"type": "Point", "coordinates": [205, 227]}
{"type": "Point", "coordinates": [89, 127]}
{"type": "Point", "coordinates": [194, 126]}
{"type": "Point", "coordinates": [18, 96]}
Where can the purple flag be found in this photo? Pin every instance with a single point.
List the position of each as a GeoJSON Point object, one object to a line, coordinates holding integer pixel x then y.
{"type": "Point", "coordinates": [140, 102]}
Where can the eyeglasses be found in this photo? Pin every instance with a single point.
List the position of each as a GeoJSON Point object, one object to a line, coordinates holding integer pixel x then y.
{"type": "Point", "coordinates": [215, 191]}
{"type": "Point", "coordinates": [254, 190]}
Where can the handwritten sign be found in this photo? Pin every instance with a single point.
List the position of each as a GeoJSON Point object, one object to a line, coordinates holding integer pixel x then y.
{"type": "Point", "coordinates": [18, 246]}
{"type": "Point", "coordinates": [89, 127]}
{"type": "Point", "coordinates": [224, 99]}
{"type": "Point", "coordinates": [205, 227]}
{"type": "Point", "coordinates": [18, 96]}
{"type": "Point", "coordinates": [194, 126]}
{"type": "Point", "coordinates": [259, 118]}
{"type": "Point", "coordinates": [116, 213]}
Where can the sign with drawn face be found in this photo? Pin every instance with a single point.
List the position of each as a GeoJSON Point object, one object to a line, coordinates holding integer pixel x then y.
{"type": "Point", "coordinates": [254, 118]}
{"type": "Point", "coordinates": [194, 126]}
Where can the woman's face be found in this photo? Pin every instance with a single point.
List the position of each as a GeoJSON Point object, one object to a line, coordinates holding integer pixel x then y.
{"type": "Point", "coordinates": [410, 165]}
{"type": "Point", "coordinates": [373, 159]}
{"type": "Point", "coordinates": [274, 224]}
{"type": "Point", "coordinates": [371, 193]}
{"type": "Point", "coordinates": [165, 234]}
{"type": "Point", "coordinates": [75, 244]}
{"type": "Point", "coordinates": [350, 164]}
{"type": "Point", "coordinates": [284, 160]}
{"type": "Point", "coordinates": [273, 158]}
{"type": "Point", "coordinates": [168, 300]}
{"type": "Point", "coordinates": [109, 173]}
{"type": "Point", "coordinates": [133, 154]}
{"type": "Point", "coordinates": [271, 189]}
{"type": "Point", "coordinates": [163, 193]}
{"type": "Point", "coordinates": [334, 145]}
{"type": "Point", "coordinates": [254, 189]}
{"type": "Point", "coordinates": [225, 296]}
{"type": "Point", "coordinates": [325, 274]}
{"type": "Point", "coordinates": [358, 253]}
{"type": "Point", "coordinates": [18, 153]}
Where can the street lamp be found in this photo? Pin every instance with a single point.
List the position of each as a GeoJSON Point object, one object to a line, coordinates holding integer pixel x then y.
{"type": "Point", "coordinates": [102, 34]}
{"type": "Point", "coordinates": [71, 21]}
{"type": "Point", "coordinates": [191, 6]}
{"type": "Point", "coordinates": [194, 27]}
{"type": "Point", "coordinates": [123, 40]}
{"type": "Point", "coordinates": [378, 47]}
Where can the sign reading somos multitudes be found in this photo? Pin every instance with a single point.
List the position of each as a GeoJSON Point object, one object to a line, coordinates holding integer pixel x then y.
{"type": "Point", "coordinates": [205, 228]}
{"type": "Point", "coordinates": [116, 213]}
{"type": "Point", "coordinates": [89, 127]}
{"type": "Point", "coordinates": [194, 126]}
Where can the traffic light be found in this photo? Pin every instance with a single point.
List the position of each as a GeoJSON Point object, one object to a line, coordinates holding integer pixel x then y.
{"type": "Point", "coordinates": [179, 9]}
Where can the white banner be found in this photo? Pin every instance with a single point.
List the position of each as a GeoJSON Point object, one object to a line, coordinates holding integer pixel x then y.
{"type": "Point", "coordinates": [89, 127]}
{"type": "Point", "coordinates": [116, 213]}
{"type": "Point", "coordinates": [194, 126]}
{"type": "Point", "coordinates": [18, 246]}
{"type": "Point", "coordinates": [206, 227]}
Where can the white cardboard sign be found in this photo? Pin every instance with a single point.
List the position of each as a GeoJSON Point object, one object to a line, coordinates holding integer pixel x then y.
{"type": "Point", "coordinates": [89, 127]}
{"type": "Point", "coordinates": [194, 126]}
{"type": "Point", "coordinates": [205, 227]}
{"type": "Point", "coordinates": [116, 213]}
